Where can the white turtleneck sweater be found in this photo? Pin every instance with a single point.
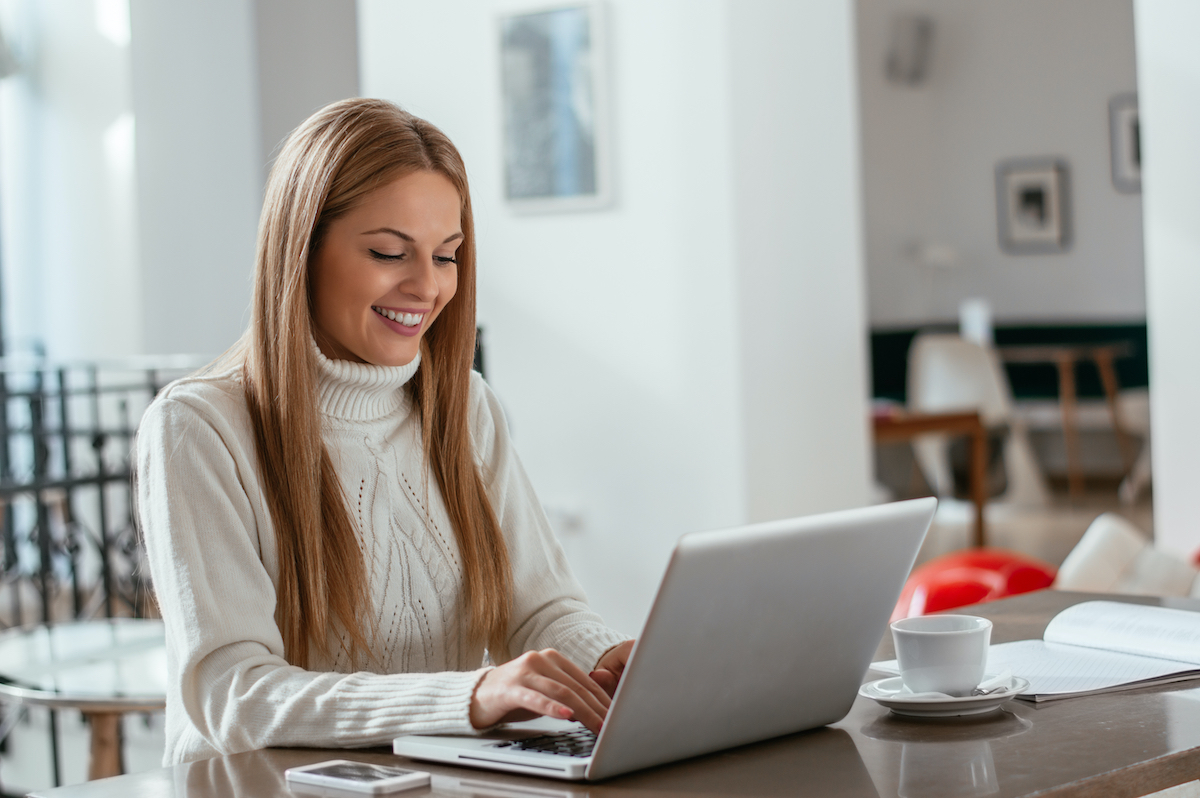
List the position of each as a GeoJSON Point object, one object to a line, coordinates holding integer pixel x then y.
{"type": "Point", "coordinates": [214, 562]}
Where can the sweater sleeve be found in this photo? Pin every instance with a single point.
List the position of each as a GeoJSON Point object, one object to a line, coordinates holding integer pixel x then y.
{"type": "Point", "coordinates": [549, 607]}
{"type": "Point", "coordinates": [228, 677]}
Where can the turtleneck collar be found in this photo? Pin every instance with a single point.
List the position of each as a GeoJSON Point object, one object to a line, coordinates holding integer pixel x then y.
{"type": "Point", "coordinates": [361, 391]}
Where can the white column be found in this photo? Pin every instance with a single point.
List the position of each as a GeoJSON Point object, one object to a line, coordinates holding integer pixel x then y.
{"type": "Point", "coordinates": [307, 58]}
{"type": "Point", "coordinates": [1168, 86]}
{"type": "Point", "coordinates": [799, 258]}
{"type": "Point", "coordinates": [199, 165]}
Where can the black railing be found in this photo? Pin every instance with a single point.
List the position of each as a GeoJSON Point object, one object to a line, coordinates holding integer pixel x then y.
{"type": "Point", "coordinates": [70, 548]}
{"type": "Point", "coordinates": [70, 545]}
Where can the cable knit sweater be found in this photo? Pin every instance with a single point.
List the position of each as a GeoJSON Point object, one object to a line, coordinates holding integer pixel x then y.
{"type": "Point", "coordinates": [214, 562]}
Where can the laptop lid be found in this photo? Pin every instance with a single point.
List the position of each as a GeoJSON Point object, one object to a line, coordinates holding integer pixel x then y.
{"type": "Point", "coordinates": [760, 631]}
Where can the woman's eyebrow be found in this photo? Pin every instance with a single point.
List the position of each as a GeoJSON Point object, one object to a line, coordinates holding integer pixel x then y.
{"type": "Point", "coordinates": [406, 236]}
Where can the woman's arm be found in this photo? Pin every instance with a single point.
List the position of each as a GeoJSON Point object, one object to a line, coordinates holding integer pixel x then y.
{"type": "Point", "coordinates": [211, 551]}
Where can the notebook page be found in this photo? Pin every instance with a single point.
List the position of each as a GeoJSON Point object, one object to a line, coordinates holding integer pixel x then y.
{"type": "Point", "coordinates": [1052, 668]}
{"type": "Point", "coordinates": [1131, 628]}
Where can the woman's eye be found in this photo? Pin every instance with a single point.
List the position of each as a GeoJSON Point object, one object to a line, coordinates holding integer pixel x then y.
{"type": "Point", "coordinates": [444, 260]}
{"type": "Point", "coordinates": [384, 256]}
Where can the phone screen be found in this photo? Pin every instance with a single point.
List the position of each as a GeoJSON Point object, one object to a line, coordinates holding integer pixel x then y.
{"type": "Point", "coordinates": [359, 771]}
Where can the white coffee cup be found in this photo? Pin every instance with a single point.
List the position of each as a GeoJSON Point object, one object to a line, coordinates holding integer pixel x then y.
{"type": "Point", "coordinates": [942, 653]}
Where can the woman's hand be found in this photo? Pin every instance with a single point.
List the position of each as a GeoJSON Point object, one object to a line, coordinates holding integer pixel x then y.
{"type": "Point", "coordinates": [611, 666]}
{"type": "Point", "coordinates": [539, 683]}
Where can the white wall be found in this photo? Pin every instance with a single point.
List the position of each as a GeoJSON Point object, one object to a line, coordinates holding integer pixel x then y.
{"type": "Point", "coordinates": [1013, 79]}
{"type": "Point", "coordinates": [798, 256]}
{"type": "Point", "coordinates": [617, 338]}
{"type": "Point", "coordinates": [1169, 84]}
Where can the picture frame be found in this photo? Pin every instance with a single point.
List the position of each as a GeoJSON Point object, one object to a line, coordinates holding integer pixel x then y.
{"type": "Point", "coordinates": [1125, 137]}
{"type": "Point", "coordinates": [554, 98]}
{"type": "Point", "coordinates": [1032, 205]}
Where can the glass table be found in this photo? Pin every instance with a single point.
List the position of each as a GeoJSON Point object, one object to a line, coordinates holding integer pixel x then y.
{"type": "Point", "coordinates": [103, 668]}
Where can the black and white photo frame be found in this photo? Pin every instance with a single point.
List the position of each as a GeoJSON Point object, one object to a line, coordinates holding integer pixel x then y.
{"type": "Point", "coordinates": [1032, 206]}
{"type": "Point", "coordinates": [1125, 136]}
{"type": "Point", "coordinates": [554, 97]}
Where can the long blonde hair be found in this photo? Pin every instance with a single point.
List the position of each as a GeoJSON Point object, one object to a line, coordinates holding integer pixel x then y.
{"type": "Point", "coordinates": [328, 165]}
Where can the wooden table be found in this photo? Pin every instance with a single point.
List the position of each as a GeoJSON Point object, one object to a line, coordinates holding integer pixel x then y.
{"type": "Point", "coordinates": [104, 668]}
{"type": "Point", "coordinates": [1123, 744]}
{"type": "Point", "coordinates": [904, 426]}
{"type": "Point", "coordinates": [1064, 357]}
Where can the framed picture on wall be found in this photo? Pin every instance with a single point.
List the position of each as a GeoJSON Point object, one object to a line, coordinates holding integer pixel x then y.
{"type": "Point", "coordinates": [554, 98]}
{"type": "Point", "coordinates": [1033, 214]}
{"type": "Point", "coordinates": [1125, 135]}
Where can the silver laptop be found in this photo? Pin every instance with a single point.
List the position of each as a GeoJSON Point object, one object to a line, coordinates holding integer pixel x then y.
{"type": "Point", "coordinates": [756, 632]}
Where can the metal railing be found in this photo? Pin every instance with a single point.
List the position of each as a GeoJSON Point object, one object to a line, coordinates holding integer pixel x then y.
{"type": "Point", "coordinates": [69, 546]}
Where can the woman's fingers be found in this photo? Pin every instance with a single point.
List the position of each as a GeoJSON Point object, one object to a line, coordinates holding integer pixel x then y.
{"type": "Point", "coordinates": [611, 667]}
{"type": "Point", "coordinates": [544, 682]}
{"type": "Point", "coordinates": [557, 677]}
{"type": "Point", "coordinates": [567, 705]}
{"type": "Point", "coordinates": [615, 658]}
{"type": "Point", "coordinates": [567, 672]}
{"type": "Point", "coordinates": [606, 679]}
{"type": "Point", "coordinates": [528, 698]}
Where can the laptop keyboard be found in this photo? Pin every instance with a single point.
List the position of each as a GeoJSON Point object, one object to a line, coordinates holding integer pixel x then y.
{"type": "Point", "coordinates": [570, 743]}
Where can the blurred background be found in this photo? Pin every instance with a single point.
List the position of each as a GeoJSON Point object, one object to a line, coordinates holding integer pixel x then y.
{"type": "Point", "coordinates": [793, 193]}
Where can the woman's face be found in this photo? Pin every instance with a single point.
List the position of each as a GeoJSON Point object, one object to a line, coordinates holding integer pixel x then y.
{"type": "Point", "coordinates": [385, 270]}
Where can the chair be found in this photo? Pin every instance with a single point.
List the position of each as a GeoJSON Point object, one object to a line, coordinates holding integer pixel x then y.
{"type": "Point", "coordinates": [1113, 556]}
{"type": "Point", "coordinates": [970, 577]}
{"type": "Point", "coordinates": [947, 373]}
{"type": "Point", "coordinates": [1135, 416]}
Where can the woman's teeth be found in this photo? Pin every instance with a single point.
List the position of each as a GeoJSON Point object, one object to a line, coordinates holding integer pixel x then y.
{"type": "Point", "coordinates": [407, 319]}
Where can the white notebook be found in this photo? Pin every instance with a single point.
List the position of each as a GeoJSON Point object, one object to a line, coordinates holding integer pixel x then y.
{"type": "Point", "coordinates": [1099, 647]}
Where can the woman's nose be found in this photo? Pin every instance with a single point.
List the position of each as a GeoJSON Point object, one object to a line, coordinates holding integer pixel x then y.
{"type": "Point", "coordinates": [421, 281]}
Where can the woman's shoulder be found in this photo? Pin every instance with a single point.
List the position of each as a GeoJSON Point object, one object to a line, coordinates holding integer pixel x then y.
{"type": "Point", "coordinates": [215, 399]}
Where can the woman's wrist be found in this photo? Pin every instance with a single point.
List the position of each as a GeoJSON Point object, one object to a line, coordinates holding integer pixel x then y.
{"type": "Point", "coordinates": [473, 706]}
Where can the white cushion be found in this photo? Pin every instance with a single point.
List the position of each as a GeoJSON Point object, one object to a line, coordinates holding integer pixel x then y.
{"type": "Point", "coordinates": [1115, 557]}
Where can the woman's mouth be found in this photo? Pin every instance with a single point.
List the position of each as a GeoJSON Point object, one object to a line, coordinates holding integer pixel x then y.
{"type": "Point", "coordinates": [406, 319]}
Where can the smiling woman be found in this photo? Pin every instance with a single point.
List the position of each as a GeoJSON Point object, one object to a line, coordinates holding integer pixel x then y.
{"type": "Point", "coordinates": [340, 534]}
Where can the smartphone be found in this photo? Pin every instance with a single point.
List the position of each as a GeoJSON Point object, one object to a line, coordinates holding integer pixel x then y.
{"type": "Point", "coordinates": [356, 777]}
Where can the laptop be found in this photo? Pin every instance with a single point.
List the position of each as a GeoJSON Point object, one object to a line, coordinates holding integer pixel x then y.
{"type": "Point", "coordinates": [756, 632]}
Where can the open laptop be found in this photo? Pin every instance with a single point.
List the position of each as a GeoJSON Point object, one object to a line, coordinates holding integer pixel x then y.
{"type": "Point", "coordinates": [756, 632]}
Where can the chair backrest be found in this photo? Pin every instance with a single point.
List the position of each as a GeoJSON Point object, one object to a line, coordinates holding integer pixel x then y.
{"type": "Point", "coordinates": [948, 373]}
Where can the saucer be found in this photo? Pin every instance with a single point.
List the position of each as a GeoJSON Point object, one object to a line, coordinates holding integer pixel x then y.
{"type": "Point", "coordinates": [892, 694]}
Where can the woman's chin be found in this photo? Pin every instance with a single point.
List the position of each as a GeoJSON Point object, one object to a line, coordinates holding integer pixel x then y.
{"type": "Point", "coordinates": [392, 356]}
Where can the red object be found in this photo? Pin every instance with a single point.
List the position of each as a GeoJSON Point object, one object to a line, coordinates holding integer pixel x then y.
{"type": "Point", "coordinates": [970, 577]}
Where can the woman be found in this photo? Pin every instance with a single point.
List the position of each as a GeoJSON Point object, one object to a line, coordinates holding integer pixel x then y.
{"type": "Point", "coordinates": [336, 522]}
